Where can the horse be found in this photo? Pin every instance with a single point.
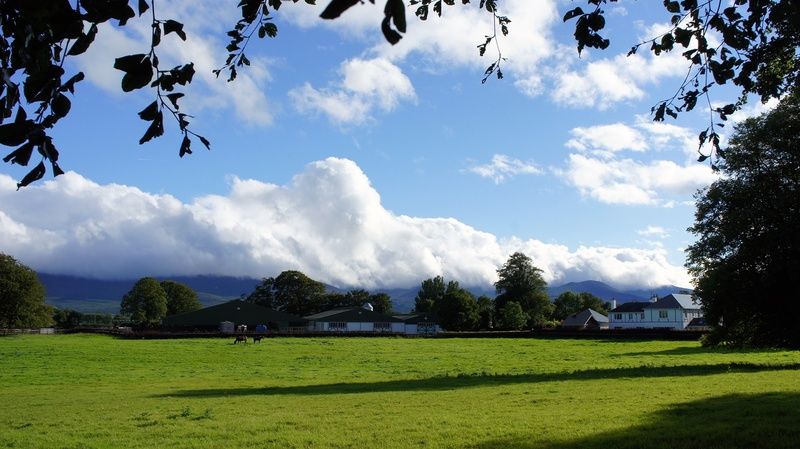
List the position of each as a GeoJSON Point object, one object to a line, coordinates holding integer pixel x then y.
{"type": "Point", "coordinates": [242, 338]}
{"type": "Point", "coordinates": [257, 338]}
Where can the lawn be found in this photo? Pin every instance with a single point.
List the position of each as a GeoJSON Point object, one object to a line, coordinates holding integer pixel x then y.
{"type": "Point", "coordinates": [87, 391]}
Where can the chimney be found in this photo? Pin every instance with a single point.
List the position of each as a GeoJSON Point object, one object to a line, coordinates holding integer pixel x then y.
{"type": "Point", "coordinates": [654, 298]}
{"type": "Point", "coordinates": [613, 304]}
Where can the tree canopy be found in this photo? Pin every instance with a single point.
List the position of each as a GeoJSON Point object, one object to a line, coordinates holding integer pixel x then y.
{"type": "Point", "coordinates": [757, 52]}
{"type": "Point", "coordinates": [568, 303]}
{"type": "Point", "coordinates": [180, 298]}
{"type": "Point", "coordinates": [521, 282]}
{"type": "Point", "coordinates": [145, 303]}
{"type": "Point", "coordinates": [21, 296]}
{"type": "Point", "coordinates": [747, 256]}
{"type": "Point", "coordinates": [458, 310]}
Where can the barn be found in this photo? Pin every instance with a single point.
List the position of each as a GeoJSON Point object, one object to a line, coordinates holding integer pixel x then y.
{"type": "Point", "coordinates": [354, 319]}
{"type": "Point", "coordinates": [586, 319]}
{"type": "Point", "coordinates": [237, 312]}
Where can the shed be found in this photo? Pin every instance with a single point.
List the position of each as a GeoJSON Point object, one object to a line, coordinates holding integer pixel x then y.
{"type": "Point", "coordinates": [237, 312]}
{"type": "Point", "coordinates": [420, 323]}
{"type": "Point", "coordinates": [586, 319]}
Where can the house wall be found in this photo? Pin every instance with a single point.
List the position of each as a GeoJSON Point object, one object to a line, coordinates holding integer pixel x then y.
{"type": "Point", "coordinates": [675, 319]}
{"type": "Point", "coordinates": [411, 329]}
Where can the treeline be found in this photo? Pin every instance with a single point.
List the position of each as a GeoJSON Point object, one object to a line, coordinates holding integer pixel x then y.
{"type": "Point", "coordinates": [521, 302]}
{"type": "Point", "coordinates": [294, 292]}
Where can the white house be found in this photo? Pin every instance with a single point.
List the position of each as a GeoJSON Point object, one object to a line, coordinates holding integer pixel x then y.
{"type": "Point", "coordinates": [674, 311]}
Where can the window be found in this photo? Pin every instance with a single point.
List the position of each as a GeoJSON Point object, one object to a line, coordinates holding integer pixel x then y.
{"type": "Point", "coordinates": [617, 316]}
{"type": "Point", "coordinates": [630, 317]}
{"type": "Point", "coordinates": [642, 317]}
{"type": "Point", "coordinates": [382, 327]}
{"type": "Point", "coordinates": [663, 314]}
{"type": "Point", "coordinates": [337, 326]}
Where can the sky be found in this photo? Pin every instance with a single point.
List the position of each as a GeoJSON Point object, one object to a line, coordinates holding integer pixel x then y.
{"type": "Point", "coordinates": [370, 165]}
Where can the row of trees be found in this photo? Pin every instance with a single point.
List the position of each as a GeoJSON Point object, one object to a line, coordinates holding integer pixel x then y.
{"type": "Point", "coordinates": [150, 301]}
{"type": "Point", "coordinates": [294, 292]}
{"type": "Point", "coordinates": [522, 300]}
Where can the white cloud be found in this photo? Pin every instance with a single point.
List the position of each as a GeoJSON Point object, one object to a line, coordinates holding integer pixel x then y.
{"type": "Point", "coordinates": [504, 167]}
{"type": "Point", "coordinates": [366, 86]}
{"type": "Point", "coordinates": [328, 222]}
{"type": "Point", "coordinates": [611, 138]}
{"type": "Point", "coordinates": [653, 231]}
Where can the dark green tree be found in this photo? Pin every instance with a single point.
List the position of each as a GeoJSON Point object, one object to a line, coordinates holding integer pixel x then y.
{"type": "Point", "coordinates": [263, 294]}
{"type": "Point", "coordinates": [67, 318]}
{"type": "Point", "coordinates": [521, 282]}
{"type": "Point", "coordinates": [512, 317]}
{"type": "Point", "coordinates": [21, 296]}
{"type": "Point", "coordinates": [568, 303]}
{"type": "Point", "coordinates": [145, 303]}
{"type": "Point", "coordinates": [180, 298]}
{"type": "Point", "coordinates": [430, 295]}
{"type": "Point", "coordinates": [747, 254]}
{"type": "Point", "coordinates": [458, 310]}
{"type": "Point", "coordinates": [296, 293]}
{"type": "Point", "coordinates": [486, 318]}
{"type": "Point", "coordinates": [381, 302]}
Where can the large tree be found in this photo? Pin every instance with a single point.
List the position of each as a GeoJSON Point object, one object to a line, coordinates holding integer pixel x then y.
{"type": "Point", "coordinates": [429, 296]}
{"type": "Point", "coordinates": [458, 310]}
{"type": "Point", "coordinates": [758, 53]}
{"type": "Point", "coordinates": [146, 302]}
{"type": "Point", "coordinates": [747, 256]}
{"type": "Point", "coordinates": [21, 296]}
{"type": "Point", "coordinates": [180, 298]}
{"type": "Point", "coordinates": [292, 292]}
{"type": "Point", "coordinates": [568, 303]}
{"type": "Point", "coordinates": [521, 282]}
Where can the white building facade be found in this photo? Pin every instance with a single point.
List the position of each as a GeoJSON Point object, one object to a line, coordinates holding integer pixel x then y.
{"type": "Point", "coordinates": [674, 311]}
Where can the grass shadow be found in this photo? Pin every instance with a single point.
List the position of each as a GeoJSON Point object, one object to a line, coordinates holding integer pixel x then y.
{"type": "Point", "coordinates": [738, 421]}
{"type": "Point", "coordinates": [479, 380]}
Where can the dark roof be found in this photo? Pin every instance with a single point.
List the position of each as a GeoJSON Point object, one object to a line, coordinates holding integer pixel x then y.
{"type": "Point", "coordinates": [676, 301]}
{"type": "Point", "coordinates": [581, 318]}
{"type": "Point", "coordinates": [697, 322]}
{"type": "Point", "coordinates": [634, 306]}
{"type": "Point", "coordinates": [236, 311]}
{"type": "Point", "coordinates": [416, 318]}
{"type": "Point", "coordinates": [352, 315]}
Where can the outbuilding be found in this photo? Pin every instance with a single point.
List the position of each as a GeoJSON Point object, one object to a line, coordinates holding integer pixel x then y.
{"type": "Point", "coordinates": [237, 312]}
{"type": "Point", "coordinates": [586, 319]}
{"type": "Point", "coordinates": [354, 319]}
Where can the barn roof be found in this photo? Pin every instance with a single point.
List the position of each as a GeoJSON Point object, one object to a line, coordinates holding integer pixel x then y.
{"type": "Point", "coordinates": [416, 318]}
{"type": "Point", "coordinates": [236, 311]}
{"type": "Point", "coordinates": [352, 315]}
{"type": "Point", "coordinates": [581, 318]}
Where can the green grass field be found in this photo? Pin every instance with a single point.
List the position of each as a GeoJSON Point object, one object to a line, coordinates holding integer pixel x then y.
{"type": "Point", "coordinates": [85, 391]}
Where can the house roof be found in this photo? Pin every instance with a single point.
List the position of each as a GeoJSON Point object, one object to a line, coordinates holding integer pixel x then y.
{"type": "Point", "coordinates": [236, 311]}
{"type": "Point", "coordinates": [697, 322]}
{"type": "Point", "coordinates": [353, 315]}
{"type": "Point", "coordinates": [675, 301]}
{"type": "Point", "coordinates": [417, 318]}
{"type": "Point", "coordinates": [634, 306]}
{"type": "Point", "coordinates": [583, 317]}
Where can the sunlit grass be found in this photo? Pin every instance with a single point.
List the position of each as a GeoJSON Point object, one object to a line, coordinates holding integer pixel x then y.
{"type": "Point", "coordinates": [100, 392]}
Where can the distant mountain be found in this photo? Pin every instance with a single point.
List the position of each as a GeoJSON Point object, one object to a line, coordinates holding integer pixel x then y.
{"type": "Point", "coordinates": [96, 295]}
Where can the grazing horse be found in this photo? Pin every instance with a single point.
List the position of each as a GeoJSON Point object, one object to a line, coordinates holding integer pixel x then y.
{"type": "Point", "coordinates": [242, 338]}
{"type": "Point", "coordinates": [257, 338]}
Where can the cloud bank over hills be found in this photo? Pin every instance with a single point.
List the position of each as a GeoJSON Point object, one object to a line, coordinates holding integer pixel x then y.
{"type": "Point", "coordinates": [328, 222]}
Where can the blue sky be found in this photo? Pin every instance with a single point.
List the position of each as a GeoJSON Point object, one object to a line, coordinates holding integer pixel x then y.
{"type": "Point", "coordinates": [365, 164]}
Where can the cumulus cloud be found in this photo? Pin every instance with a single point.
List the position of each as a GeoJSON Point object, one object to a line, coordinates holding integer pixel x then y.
{"type": "Point", "coordinates": [601, 170]}
{"type": "Point", "coordinates": [366, 86]}
{"type": "Point", "coordinates": [327, 222]}
{"type": "Point", "coordinates": [653, 231]}
{"type": "Point", "coordinates": [504, 167]}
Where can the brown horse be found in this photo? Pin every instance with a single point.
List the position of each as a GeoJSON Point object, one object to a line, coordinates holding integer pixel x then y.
{"type": "Point", "coordinates": [242, 338]}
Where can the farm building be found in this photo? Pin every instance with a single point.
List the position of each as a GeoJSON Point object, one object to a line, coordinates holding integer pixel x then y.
{"type": "Point", "coordinates": [674, 311]}
{"type": "Point", "coordinates": [354, 319]}
{"type": "Point", "coordinates": [420, 323]}
{"type": "Point", "coordinates": [237, 312]}
{"type": "Point", "coordinates": [587, 319]}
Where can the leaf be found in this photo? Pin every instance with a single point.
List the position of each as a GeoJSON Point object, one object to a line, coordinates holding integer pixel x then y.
{"type": "Point", "coordinates": [70, 84]}
{"type": "Point", "coordinates": [60, 105]}
{"type": "Point", "coordinates": [143, 7]}
{"type": "Point", "coordinates": [13, 134]}
{"type": "Point", "coordinates": [396, 9]}
{"type": "Point", "coordinates": [83, 42]}
{"type": "Point", "coordinates": [185, 146]}
{"type": "Point", "coordinates": [205, 142]}
{"type": "Point", "coordinates": [391, 35]}
{"type": "Point", "coordinates": [155, 129]}
{"type": "Point", "coordinates": [336, 7]}
{"type": "Point", "coordinates": [173, 98]}
{"type": "Point", "coordinates": [150, 112]}
{"type": "Point", "coordinates": [702, 158]}
{"type": "Point", "coordinates": [34, 175]}
{"type": "Point", "coordinates": [138, 71]}
{"type": "Point", "coordinates": [176, 27]}
{"type": "Point", "coordinates": [573, 13]}
{"type": "Point", "coordinates": [21, 155]}
{"type": "Point", "coordinates": [56, 169]}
